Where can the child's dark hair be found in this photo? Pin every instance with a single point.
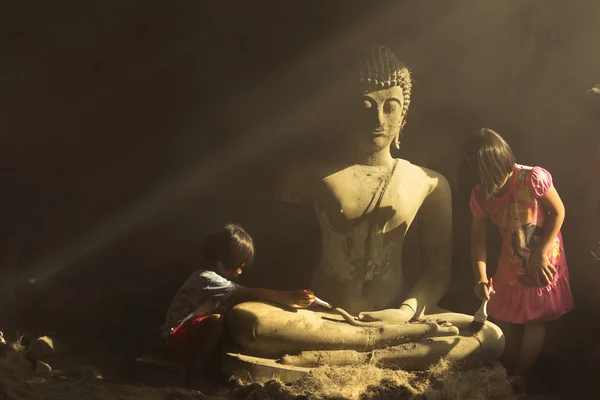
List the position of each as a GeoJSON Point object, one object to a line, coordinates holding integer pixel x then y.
{"type": "Point", "coordinates": [232, 246]}
{"type": "Point", "coordinates": [486, 160]}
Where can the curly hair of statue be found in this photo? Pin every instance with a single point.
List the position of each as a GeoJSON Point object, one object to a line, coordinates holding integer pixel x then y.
{"type": "Point", "coordinates": [381, 69]}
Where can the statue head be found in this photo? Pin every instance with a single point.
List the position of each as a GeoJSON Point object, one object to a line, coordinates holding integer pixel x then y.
{"type": "Point", "coordinates": [386, 87]}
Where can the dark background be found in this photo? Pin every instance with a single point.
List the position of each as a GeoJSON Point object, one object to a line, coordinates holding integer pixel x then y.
{"type": "Point", "coordinates": [130, 129]}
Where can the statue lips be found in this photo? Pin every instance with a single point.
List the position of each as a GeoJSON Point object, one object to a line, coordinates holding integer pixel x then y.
{"type": "Point", "coordinates": [379, 134]}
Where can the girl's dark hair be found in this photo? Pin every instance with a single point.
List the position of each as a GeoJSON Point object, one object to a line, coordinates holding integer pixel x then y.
{"type": "Point", "coordinates": [232, 246]}
{"type": "Point", "coordinates": [486, 160]}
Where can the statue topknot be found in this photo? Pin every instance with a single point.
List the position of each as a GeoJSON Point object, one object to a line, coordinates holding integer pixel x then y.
{"type": "Point", "coordinates": [381, 69]}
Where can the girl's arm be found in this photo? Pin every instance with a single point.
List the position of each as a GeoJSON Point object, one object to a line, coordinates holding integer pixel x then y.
{"type": "Point", "coordinates": [539, 263]}
{"type": "Point", "coordinates": [479, 257]}
{"type": "Point", "coordinates": [554, 220]}
{"type": "Point", "coordinates": [298, 298]}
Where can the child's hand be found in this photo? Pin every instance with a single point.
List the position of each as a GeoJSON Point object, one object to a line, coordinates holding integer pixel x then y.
{"type": "Point", "coordinates": [300, 298]}
{"type": "Point", "coordinates": [539, 268]}
{"type": "Point", "coordinates": [221, 309]}
{"type": "Point", "coordinates": [484, 290]}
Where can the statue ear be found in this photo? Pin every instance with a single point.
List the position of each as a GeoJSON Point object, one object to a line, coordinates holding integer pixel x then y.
{"type": "Point", "coordinates": [397, 138]}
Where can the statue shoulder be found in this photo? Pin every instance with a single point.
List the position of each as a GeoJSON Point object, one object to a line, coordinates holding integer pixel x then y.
{"type": "Point", "coordinates": [434, 182]}
{"type": "Point", "coordinates": [438, 193]}
{"type": "Point", "coordinates": [437, 182]}
{"type": "Point", "coordinates": [295, 183]}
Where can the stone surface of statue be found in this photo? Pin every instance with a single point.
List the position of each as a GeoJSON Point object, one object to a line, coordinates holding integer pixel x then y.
{"type": "Point", "coordinates": [365, 201]}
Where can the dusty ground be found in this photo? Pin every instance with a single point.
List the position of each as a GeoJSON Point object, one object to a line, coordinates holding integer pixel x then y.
{"type": "Point", "coordinates": [70, 380]}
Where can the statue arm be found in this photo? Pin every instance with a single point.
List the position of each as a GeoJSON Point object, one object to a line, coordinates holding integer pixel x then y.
{"type": "Point", "coordinates": [295, 241]}
{"type": "Point", "coordinates": [291, 187]}
{"type": "Point", "coordinates": [436, 249]}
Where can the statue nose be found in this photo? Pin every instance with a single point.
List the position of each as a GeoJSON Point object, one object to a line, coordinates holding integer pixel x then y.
{"type": "Point", "coordinates": [377, 118]}
{"type": "Point", "coordinates": [380, 117]}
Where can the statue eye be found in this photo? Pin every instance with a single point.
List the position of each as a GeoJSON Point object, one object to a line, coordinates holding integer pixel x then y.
{"type": "Point", "coordinates": [391, 106]}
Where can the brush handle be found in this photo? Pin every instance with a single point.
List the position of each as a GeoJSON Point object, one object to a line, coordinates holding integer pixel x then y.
{"type": "Point", "coordinates": [318, 301]}
{"type": "Point", "coordinates": [322, 303]}
{"type": "Point", "coordinates": [490, 287]}
{"type": "Point", "coordinates": [483, 307]}
{"type": "Point", "coordinates": [481, 314]}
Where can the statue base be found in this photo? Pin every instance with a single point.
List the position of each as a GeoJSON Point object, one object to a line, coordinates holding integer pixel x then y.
{"type": "Point", "coordinates": [260, 370]}
{"type": "Point", "coordinates": [467, 349]}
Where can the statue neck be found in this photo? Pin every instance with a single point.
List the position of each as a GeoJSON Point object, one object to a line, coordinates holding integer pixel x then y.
{"type": "Point", "coordinates": [381, 158]}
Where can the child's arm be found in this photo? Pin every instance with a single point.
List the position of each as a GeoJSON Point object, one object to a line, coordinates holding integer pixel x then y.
{"type": "Point", "coordinates": [553, 223]}
{"type": "Point", "coordinates": [299, 298]}
{"type": "Point", "coordinates": [554, 220]}
{"type": "Point", "coordinates": [479, 257]}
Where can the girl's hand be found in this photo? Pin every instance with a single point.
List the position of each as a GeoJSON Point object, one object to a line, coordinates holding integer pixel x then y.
{"type": "Point", "coordinates": [484, 289]}
{"type": "Point", "coordinates": [221, 309]}
{"type": "Point", "coordinates": [299, 298]}
{"type": "Point", "coordinates": [539, 268]}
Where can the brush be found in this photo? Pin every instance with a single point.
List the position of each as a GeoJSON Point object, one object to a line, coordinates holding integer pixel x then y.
{"type": "Point", "coordinates": [481, 315]}
{"type": "Point", "coordinates": [323, 303]}
{"type": "Point", "coordinates": [320, 302]}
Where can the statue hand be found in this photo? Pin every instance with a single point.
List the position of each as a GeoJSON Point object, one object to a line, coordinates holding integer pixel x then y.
{"type": "Point", "coordinates": [391, 316]}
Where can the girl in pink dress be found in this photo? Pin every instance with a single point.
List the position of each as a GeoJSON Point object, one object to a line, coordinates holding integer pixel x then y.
{"type": "Point", "coordinates": [531, 283]}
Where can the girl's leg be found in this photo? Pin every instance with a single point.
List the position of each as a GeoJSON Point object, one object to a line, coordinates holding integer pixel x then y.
{"type": "Point", "coordinates": [208, 336]}
{"type": "Point", "coordinates": [531, 347]}
{"type": "Point", "coordinates": [512, 346]}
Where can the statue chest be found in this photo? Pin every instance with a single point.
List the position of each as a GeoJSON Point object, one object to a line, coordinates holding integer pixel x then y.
{"type": "Point", "coordinates": [350, 202]}
{"type": "Point", "coordinates": [363, 248]}
{"type": "Point", "coordinates": [364, 216]}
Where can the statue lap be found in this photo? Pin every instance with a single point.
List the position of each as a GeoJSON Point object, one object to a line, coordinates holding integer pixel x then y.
{"type": "Point", "coordinates": [272, 331]}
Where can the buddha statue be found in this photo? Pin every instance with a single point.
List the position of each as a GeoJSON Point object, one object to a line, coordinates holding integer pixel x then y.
{"type": "Point", "coordinates": [365, 201]}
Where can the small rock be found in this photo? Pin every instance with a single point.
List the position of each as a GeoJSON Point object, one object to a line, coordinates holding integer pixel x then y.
{"type": "Point", "coordinates": [42, 347]}
{"type": "Point", "coordinates": [3, 345]}
{"type": "Point", "coordinates": [235, 382]}
{"type": "Point", "coordinates": [275, 390]}
{"type": "Point", "coordinates": [42, 367]}
{"type": "Point", "coordinates": [245, 392]}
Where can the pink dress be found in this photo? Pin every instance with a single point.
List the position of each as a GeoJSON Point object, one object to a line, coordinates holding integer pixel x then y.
{"type": "Point", "coordinates": [520, 215]}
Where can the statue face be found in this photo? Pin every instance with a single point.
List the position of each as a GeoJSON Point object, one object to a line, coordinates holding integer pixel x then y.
{"type": "Point", "coordinates": [381, 118]}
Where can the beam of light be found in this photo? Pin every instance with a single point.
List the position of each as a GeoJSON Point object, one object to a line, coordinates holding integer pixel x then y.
{"type": "Point", "coordinates": [295, 121]}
